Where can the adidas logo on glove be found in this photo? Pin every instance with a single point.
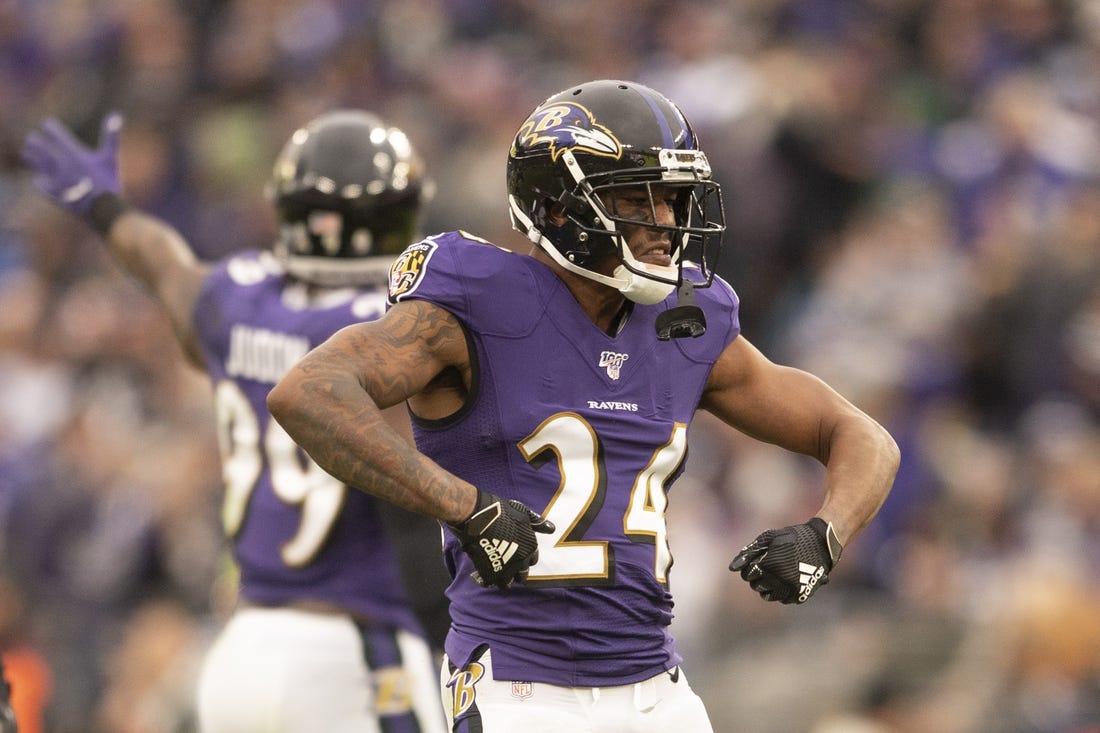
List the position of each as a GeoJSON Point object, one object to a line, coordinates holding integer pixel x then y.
{"type": "Point", "coordinates": [498, 551]}
{"type": "Point", "coordinates": [808, 575]}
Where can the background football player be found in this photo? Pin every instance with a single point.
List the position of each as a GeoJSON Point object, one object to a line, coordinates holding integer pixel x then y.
{"type": "Point", "coordinates": [337, 589]}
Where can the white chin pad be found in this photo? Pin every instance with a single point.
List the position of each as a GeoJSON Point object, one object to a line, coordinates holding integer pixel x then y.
{"type": "Point", "coordinates": [643, 290]}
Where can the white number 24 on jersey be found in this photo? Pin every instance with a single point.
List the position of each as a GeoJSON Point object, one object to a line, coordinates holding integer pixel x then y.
{"type": "Point", "coordinates": [565, 558]}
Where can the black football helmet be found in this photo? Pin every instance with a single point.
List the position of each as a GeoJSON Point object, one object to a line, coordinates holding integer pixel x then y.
{"type": "Point", "coordinates": [596, 138]}
{"type": "Point", "coordinates": [348, 191]}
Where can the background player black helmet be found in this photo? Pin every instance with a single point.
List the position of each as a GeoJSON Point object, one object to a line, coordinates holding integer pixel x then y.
{"type": "Point", "coordinates": [348, 190]}
{"type": "Point", "coordinates": [596, 137]}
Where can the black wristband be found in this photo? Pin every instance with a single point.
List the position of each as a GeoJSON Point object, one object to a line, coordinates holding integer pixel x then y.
{"type": "Point", "coordinates": [105, 209]}
{"type": "Point", "coordinates": [832, 543]}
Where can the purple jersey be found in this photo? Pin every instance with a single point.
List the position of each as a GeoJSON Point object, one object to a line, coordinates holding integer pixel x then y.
{"type": "Point", "coordinates": [298, 533]}
{"type": "Point", "coordinates": [588, 429]}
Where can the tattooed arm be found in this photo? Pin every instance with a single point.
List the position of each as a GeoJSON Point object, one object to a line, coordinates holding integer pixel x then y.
{"type": "Point", "coordinates": [330, 403]}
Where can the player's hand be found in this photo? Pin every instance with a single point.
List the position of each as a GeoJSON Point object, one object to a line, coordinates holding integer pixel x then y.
{"type": "Point", "coordinates": [499, 536]}
{"type": "Point", "coordinates": [67, 171]}
{"type": "Point", "coordinates": [788, 565]}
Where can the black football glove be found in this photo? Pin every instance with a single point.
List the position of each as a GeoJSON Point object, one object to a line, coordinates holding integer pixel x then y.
{"type": "Point", "coordinates": [500, 538]}
{"type": "Point", "coordinates": [788, 565]}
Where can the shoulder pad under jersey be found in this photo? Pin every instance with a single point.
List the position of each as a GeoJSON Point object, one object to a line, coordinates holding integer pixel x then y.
{"type": "Point", "coordinates": [721, 307]}
{"type": "Point", "coordinates": [491, 289]}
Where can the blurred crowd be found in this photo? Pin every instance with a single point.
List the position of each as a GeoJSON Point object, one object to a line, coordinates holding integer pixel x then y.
{"type": "Point", "coordinates": [913, 198]}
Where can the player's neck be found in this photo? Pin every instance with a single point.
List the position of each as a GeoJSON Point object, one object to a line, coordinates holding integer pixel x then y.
{"type": "Point", "coordinates": [605, 306]}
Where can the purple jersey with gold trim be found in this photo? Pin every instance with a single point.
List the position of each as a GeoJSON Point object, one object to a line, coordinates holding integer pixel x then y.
{"type": "Point", "coordinates": [298, 534]}
{"type": "Point", "coordinates": [588, 429]}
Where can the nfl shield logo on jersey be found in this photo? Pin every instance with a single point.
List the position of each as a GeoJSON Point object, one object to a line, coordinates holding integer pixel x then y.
{"type": "Point", "coordinates": [613, 362]}
{"type": "Point", "coordinates": [522, 690]}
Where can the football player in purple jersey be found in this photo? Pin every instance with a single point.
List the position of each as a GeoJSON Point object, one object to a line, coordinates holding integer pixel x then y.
{"type": "Point", "coordinates": [551, 391]}
{"type": "Point", "coordinates": [339, 592]}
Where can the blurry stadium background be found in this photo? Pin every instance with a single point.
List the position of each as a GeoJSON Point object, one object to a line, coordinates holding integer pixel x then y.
{"type": "Point", "coordinates": [913, 189]}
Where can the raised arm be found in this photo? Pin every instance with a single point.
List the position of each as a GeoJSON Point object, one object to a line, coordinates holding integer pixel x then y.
{"type": "Point", "coordinates": [86, 183]}
{"type": "Point", "coordinates": [156, 255]}
{"type": "Point", "coordinates": [797, 411]}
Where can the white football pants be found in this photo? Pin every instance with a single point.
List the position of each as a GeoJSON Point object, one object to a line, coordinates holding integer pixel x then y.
{"type": "Point", "coordinates": [283, 670]}
{"type": "Point", "coordinates": [662, 704]}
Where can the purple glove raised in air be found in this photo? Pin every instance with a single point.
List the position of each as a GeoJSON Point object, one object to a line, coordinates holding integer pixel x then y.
{"type": "Point", "coordinates": [67, 171]}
